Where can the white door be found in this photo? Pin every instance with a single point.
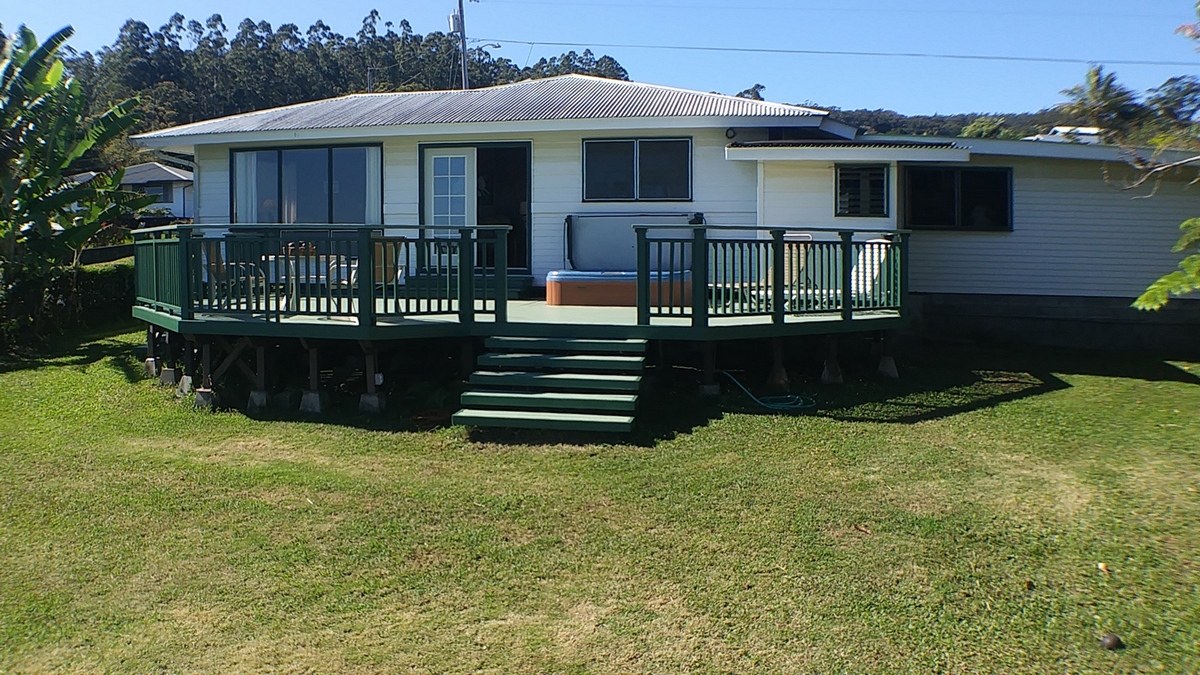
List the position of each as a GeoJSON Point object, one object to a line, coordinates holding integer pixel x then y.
{"type": "Point", "coordinates": [449, 189]}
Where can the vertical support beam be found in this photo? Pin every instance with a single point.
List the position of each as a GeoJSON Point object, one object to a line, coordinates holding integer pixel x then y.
{"type": "Point", "coordinates": [466, 277]}
{"type": "Point", "coordinates": [832, 374]}
{"type": "Point", "coordinates": [887, 359]}
{"type": "Point", "coordinates": [313, 401]}
{"type": "Point", "coordinates": [168, 374]}
{"type": "Point", "coordinates": [643, 277]}
{"type": "Point", "coordinates": [467, 358]}
{"type": "Point", "coordinates": [778, 299]}
{"type": "Point", "coordinates": [205, 397]}
{"type": "Point", "coordinates": [185, 273]}
{"type": "Point", "coordinates": [366, 281]}
{"type": "Point", "coordinates": [847, 275]}
{"type": "Point", "coordinates": [778, 378]}
{"type": "Point", "coordinates": [903, 238]}
{"type": "Point", "coordinates": [501, 257]}
{"type": "Point", "coordinates": [189, 368]}
{"type": "Point", "coordinates": [708, 377]}
{"type": "Point", "coordinates": [260, 400]}
{"type": "Point", "coordinates": [151, 360]}
{"type": "Point", "coordinates": [371, 402]}
{"type": "Point", "coordinates": [699, 278]}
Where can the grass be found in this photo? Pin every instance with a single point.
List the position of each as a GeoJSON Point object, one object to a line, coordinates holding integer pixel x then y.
{"type": "Point", "coordinates": [953, 522]}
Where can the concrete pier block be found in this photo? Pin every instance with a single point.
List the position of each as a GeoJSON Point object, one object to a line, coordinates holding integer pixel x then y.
{"type": "Point", "coordinates": [169, 376]}
{"type": "Point", "coordinates": [184, 387]}
{"type": "Point", "coordinates": [206, 399]}
{"type": "Point", "coordinates": [710, 389]}
{"type": "Point", "coordinates": [151, 366]}
{"type": "Point", "coordinates": [887, 367]}
{"type": "Point", "coordinates": [260, 401]}
{"type": "Point", "coordinates": [832, 374]}
{"type": "Point", "coordinates": [372, 404]}
{"type": "Point", "coordinates": [314, 402]}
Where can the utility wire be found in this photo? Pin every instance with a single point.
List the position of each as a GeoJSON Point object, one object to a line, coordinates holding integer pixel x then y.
{"type": "Point", "coordinates": [849, 10]}
{"type": "Point", "coordinates": [826, 52]}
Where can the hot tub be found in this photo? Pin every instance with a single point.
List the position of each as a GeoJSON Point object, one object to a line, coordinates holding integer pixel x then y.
{"type": "Point", "coordinates": [616, 289]}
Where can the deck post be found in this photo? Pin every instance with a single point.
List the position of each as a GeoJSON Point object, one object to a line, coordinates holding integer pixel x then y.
{"type": "Point", "coordinates": [778, 297]}
{"type": "Point", "coordinates": [189, 367]}
{"type": "Point", "coordinates": [313, 400]}
{"type": "Point", "coordinates": [185, 273]}
{"type": "Point", "coordinates": [168, 375]}
{"type": "Point", "coordinates": [260, 400]}
{"type": "Point", "coordinates": [366, 280]}
{"type": "Point", "coordinates": [699, 277]}
{"type": "Point", "coordinates": [708, 373]}
{"type": "Point", "coordinates": [372, 402]}
{"type": "Point", "coordinates": [151, 361]}
{"type": "Point", "coordinates": [903, 240]}
{"type": "Point", "coordinates": [778, 378]}
{"type": "Point", "coordinates": [643, 277]}
{"type": "Point", "coordinates": [205, 398]}
{"type": "Point", "coordinates": [847, 275]}
{"type": "Point", "coordinates": [466, 278]}
{"type": "Point", "coordinates": [501, 263]}
{"type": "Point", "coordinates": [832, 374]}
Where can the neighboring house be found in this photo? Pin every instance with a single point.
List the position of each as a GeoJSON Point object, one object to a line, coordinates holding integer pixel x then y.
{"type": "Point", "coordinates": [1085, 135]}
{"type": "Point", "coordinates": [752, 219]}
{"type": "Point", "coordinates": [172, 186]}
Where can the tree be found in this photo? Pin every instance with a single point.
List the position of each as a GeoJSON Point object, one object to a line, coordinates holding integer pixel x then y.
{"type": "Point", "coordinates": [46, 218]}
{"type": "Point", "coordinates": [989, 127]}
{"type": "Point", "coordinates": [1106, 104]}
{"type": "Point", "coordinates": [754, 92]}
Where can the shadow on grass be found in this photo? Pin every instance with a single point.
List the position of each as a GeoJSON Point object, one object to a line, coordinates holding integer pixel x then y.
{"type": "Point", "coordinates": [79, 349]}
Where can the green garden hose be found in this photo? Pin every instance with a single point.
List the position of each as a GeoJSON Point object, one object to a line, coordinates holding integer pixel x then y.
{"type": "Point", "coordinates": [784, 403]}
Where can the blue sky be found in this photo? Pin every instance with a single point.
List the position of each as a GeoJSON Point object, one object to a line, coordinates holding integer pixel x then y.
{"type": "Point", "coordinates": [1091, 30]}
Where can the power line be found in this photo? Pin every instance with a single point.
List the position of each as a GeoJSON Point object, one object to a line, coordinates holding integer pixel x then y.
{"type": "Point", "coordinates": [826, 52]}
{"type": "Point", "coordinates": [842, 10]}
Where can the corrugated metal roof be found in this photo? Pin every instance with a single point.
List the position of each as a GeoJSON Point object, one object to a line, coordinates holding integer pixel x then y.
{"type": "Point", "coordinates": [566, 97]}
{"type": "Point", "coordinates": [153, 172]}
{"type": "Point", "coordinates": [949, 145]}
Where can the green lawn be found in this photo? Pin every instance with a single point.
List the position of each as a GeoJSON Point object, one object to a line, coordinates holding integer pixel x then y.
{"type": "Point", "coordinates": [952, 522]}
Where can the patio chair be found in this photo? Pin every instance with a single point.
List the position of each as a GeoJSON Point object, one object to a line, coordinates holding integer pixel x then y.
{"type": "Point", "coordinates": [820, 288]}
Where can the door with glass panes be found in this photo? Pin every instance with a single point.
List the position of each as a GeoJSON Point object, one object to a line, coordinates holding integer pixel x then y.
{"type": "Point", "coordinates": [449, 197]}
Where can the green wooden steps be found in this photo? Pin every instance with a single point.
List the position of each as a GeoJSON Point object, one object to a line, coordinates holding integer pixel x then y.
{"type": "Point", "coordinates": [559, 384]}
{"type": "Point", "coordinates": [557, 381]}
{"type": "Point", "coordinates": [523, 419]}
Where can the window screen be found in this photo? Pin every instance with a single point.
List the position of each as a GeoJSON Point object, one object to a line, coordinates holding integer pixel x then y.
{"type": "Point", "coordinates": [308, 185]}
{"type": "Point", "coordinates": [638, 169]}
{"type": "Point", "coordinates": [862, 191]}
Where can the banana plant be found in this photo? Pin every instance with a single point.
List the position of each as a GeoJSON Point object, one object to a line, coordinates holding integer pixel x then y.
{"type": "Point", "coordinates": [44, 215]}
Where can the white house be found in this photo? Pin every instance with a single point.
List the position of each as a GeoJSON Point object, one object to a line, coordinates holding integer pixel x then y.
{"type": "Point", "coordinates": [172, 185]}
{"type": "Point", "coordinates": [1015, 230]}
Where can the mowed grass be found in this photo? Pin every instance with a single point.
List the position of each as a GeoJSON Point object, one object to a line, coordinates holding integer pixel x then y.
{"type": "Point", "coordinates": [952, 522]}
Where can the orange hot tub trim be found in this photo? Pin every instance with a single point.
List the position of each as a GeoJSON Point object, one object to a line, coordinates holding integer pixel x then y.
{"type": "Point", "coordinates": [614, 289]}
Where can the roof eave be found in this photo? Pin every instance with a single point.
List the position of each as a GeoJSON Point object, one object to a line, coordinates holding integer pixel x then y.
{"type": "Point", "coordinates": [849, 153]}
{"type": "Point", "coordinates": [176, 141]}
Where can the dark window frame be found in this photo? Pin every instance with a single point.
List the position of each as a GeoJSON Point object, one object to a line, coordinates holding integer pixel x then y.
{"type": "Point", "coordinates": [837, 190]}
{"type": "Point", "coordinates": [637, 179]}
{"type": "Point", "coordinates": [278, 150]}
{"type": "Point", "coordinates": [958, 170]}
{"type": "Point", "coordinates": [167, 187]}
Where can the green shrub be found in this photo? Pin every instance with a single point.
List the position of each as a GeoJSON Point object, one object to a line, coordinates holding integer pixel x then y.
{"type": "Point", "coordinates": [68, 298]}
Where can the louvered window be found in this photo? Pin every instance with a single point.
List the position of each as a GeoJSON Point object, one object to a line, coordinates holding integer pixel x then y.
{"type": "Point", "coordinates": [862, 191]}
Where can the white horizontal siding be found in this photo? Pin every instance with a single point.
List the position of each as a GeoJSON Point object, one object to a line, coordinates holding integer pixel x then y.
{"type": "Point", "coordinates": [1074, 233]}
{"type": "Point", "coordinates": [798, 194]}
{"type": "Point", "coordinates": [724, 191]}
{"type": "Point", "coordinates": [211, 186]}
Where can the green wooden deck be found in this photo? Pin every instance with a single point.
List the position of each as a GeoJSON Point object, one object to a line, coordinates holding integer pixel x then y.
{"type": "Point", "coordinates": [323, 282]}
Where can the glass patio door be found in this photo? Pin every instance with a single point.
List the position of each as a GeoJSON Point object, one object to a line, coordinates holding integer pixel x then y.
{"type": "Point", "coordinates": [449, 189]}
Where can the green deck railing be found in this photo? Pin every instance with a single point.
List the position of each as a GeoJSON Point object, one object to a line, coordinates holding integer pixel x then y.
{"type": "Point", "coordinates": [705, 272]}
{"type": "Point", "coordinates": [352, 272]}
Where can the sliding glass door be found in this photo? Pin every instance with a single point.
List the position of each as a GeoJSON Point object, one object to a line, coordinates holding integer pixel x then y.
{"type": "Point", "coordinates": [326, 185]}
